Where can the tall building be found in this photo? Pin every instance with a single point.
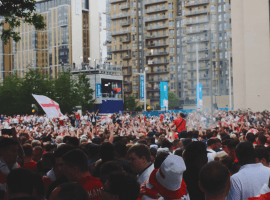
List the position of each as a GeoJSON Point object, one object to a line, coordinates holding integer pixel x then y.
{"type": "Point", "coordinates": [70, 37]}
{"type": "Point", "coordinates": [162, 35]}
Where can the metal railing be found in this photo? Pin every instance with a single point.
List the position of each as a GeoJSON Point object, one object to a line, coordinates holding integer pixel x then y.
{"type": "Point", "coordinates": [157, 53]}
{"type": "Point", "coordinates": [196, 12]}
{"type": "Point", "coordinates": [156, 44]}
{"type": "Point", "coordinates": [196, 30]}
{"type": "Point", "coordinates": [125, 6]}
{"type": "Point", "coordinates": [120, 49]}
{"type": "Point", "coordinates": [125, 23]}
{"type": "Point", "coordinates": [197, 2]}
{"type": "Point", "coordinates": [117, 1]}
{"type": "Point", "coordinates": [120, 32]}
{"type": "Point", "coordinates": [154, 1]}
{"type": "Point", "coordinates": [156, 27]}
{"type": "Point", "coordinates": [197, 21]}
{"type": "Point", "coordinates": [157, 62]}
{"type": "Point", "coordinates": [158, 71]}
{"type": "Point", "coordinates": [199, 40]}
{"type": "Point", "coordinates": [156, 36]}
{"type": "Point", "coordinates": [156, 10]}
{"type": "Point", "coordinates": [156, 18]}
{"type": "Point", "coordinates": [120, 16]}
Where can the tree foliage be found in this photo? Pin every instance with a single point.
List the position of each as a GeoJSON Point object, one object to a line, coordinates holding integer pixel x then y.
{"type": "Point", "coordinates": [173, 100]}
{"type": "Point", "coordinates": [16, 93]}
{"type": "Point", "coordinates": [13, 12]}
{"type": "Point", "coordinates": [130, 103]}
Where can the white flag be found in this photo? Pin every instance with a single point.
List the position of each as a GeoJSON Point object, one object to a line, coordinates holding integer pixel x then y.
{"type": "Point", "coordinates": [50, 107]}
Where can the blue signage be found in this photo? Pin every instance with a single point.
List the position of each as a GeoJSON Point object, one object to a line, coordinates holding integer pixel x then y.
{"type": "Point", "coordinates": [199, 96]}
{"type": "Point", "coordinates": [142, 88]}
{"type": "Point", "coordinates": [164, 95]}
{"type": "Point", "coordinates": [98, 90]}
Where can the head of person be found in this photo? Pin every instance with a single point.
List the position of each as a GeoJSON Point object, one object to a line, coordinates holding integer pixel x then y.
{"type": "Point", "coordinates": [159, 159]}
{"type": "Point", "coordinates": [195, 156]}
{"type": "Point", "coordinates": [109, 167]}
{"type": "Point", "coordinates": [182, 115]}
{"type": "Point", "coordinates": [19, 183]}
{"type": "Point", "coordinates": [37, 153]}
{"type": "Point", "coordinates": [73, 141]}
{"type": "Point", "coordinates": [261, 139]}
{"type": "Point", "coordinates": [120, 149]}
{"type": "Point", "coordinates": [58, 162]}
{"type": "Point", "coordinates": [177, 144]}
{"type": "Point", "coordinates": [212, 144]}
{"type": "Point", "coordinates": [9, 151]}
{"type": "Point", "coordinates": [250, 137]}
{"type": "Point", "coordinates": [245, 153]}
{"type": "Point", "coordinates": [262, 155]}
{"type": "Point", "coordinates": [232, 148]}
{"type": "Point", "coordinates": [75, 164]}
{"type": "Point", "coordinates": [224, 145]}
{"type": "Point", "coordinates": [121, 186]}
{"type": "Point", "coordinates": [107, 151]}
{"type": "Point", "coordinates": [214, 180]}
{"type": "Point", "coordinates": [139, 157]}
{"type": "Point", "coordinates": [167, 144]}
{"type": "Point", "coordinates": [69, 191]}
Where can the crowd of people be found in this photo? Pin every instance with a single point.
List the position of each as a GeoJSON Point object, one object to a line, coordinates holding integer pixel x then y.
{"type": "Point", "coordinates": [126, 157]}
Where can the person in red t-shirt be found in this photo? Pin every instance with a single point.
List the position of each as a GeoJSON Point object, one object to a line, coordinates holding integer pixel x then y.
{"type": "Point", "coordinates": [28, 162]}
{"type": "Point", "coordinates": [76, 169]}
{"type": "Point", "coordinates": [180, 123]}
{"type": "Point", "coordinates": [161, 117]}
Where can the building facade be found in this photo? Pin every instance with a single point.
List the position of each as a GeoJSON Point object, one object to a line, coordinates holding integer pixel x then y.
{"type": "Point", "coordinates": [71, 26]}
{"type": "Point", "coordinates": [161, 36]}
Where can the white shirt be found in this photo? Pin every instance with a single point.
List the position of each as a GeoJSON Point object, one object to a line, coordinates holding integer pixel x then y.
{"type": "Point", "coordinates": [145, 175]}
{"type": "Point", "coordinates": [248, 181]}
{"type": "Point", "coordinates": [211, 155]}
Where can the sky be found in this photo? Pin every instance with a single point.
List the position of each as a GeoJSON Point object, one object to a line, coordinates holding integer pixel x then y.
{"type": "Point", "coordinates": [102, 7]}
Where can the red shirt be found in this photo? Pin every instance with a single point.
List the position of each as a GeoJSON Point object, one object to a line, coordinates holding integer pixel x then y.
{"type": "Point", "coordinates": [32, 166]}
{"type": "Point", "coordinates": [77, 116]}
{"type": "Point", "coordinates": [262, 197]}
{"type": "Point", "coordinates": [182, 127]}
{"type": "Point", "coordinates": [47, 182]}
{"type": "Point", "coordinates": [93, 187]}
{"type": "Point", "coordinates": [161, 118]}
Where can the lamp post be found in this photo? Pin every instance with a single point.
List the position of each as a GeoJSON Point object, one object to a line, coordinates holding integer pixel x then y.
{"type": "Point", "coordinates": [95, 81]}
{"type": "Point", "coordinates": [144, 74]}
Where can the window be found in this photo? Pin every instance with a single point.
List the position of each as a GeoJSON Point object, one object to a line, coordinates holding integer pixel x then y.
{"type": "Point", "coordinates": [170, 14]}
{"type": "Point", "coordinates": [114, 23]}
{"type": "Point", "coordinates": [220, 55]}
{"type": "Point", "coordinates": [219, 18]}
{"type": "Point", "coordinates": [114, 7]}
{"type": "Point", "coordinates": [213, 27]}
{"type": "Point", "coordinates": [115, 55]}
{"type": "Point", "coordinates": [172, 86]}
{"type": "Point", "coordinates": [170, 6]}
{"type": "Point", "coordinates": [172, 68]}
{"type": "Point", "coordinates": [213, 18]}
{"type": "Point", "coordinates": [171, 32]}
{"type": "Point", "coordinates": [171, 41]}
{"type": "Point", "coordinates": [213, 54]}
{"type": "Point", "coordinates": [171, 24]}
{"type": "Point", "coordinates": [213, 8]}
{"type": "Point", "coordinates": [172, 50]}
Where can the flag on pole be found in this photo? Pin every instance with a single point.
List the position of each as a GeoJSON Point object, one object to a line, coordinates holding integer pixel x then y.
{"type": "Point", "coordinates": [50, 107]}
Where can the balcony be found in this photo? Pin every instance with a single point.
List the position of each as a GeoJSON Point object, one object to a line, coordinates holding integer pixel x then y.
{"type": "Point", "coordinates": [165, 53]}
{"type": "Point", "coordinates": [199, 21]}
{"type": "Point", "coordinates": [127, 57]}
{"type": "Point", "coordinates": [194, 50]}
{"type": "Point", "coordinates": [157, 62]}
{"type": "Point", "coordinates": [128, 90]}
{"type": "Point", "coordinates": [200, 40]}
{"type": "Point", "coordinates": [156, 18]}
{"type": "Point", "coordinates": [200, 59]}
{"type": "Point", "coordinates": [120, 16]}
{"type": "Point", "coordinates": [155, 10]}
{"type": "Point", "coordinates": [200, 68]}
{"type": "Point", "coordinates": [128, 73]}
{"type": "Point", "coordinates": [107, 42]}
{"type": "Point", "coordinates": [196, 31]}
{"type": "Point", "coordinates": [126, 23]}
{"type": "Point", "coordinates": [117, 1]}
{"type": "Point", "coordinates": [155, 27]}
{"type": "Point", "coordinates": [152, 2]}
{"type": "Point", "coordinates": [125, 6]}
{"type": "Point", "coordinates": [197, 2]}
{"type": "Point", "coordinates": [154, 98]}
{"type": "Point", "coordinates": [197, 12]}
{"type": "Point", "coordinates": [156, 36]}
{"type": "Point", "coordinates": [157, 45]}
{"type": "Point", "coordinates": [151, 89]}
{"type": "Point", "coordinates": [156, 79]}
{"type": "Point", "coordinates": [120, 33]}
{"type": "Point", "coordinates": [126, 66]}
{"type": "Point", "coordinates": [127, 82]}
{"type": "Point", "coordinates": [120, 50]}
{"type": "Point", "coordinates": [158, 71]}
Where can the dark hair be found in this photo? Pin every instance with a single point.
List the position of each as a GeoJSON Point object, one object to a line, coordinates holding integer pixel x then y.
{"type": "Point", "coordinates": [233, 144]}
{"type": "Point", "coordinates": [159, 159]}
{"type": "Point", "coordinates": [20, 180]}
{"type": "Point", "coordinates": [176, 142]}
{"type": "Point", "coordinates": [245, 153]}
{"type": "Point", "coordinates": [124, 185]}
{"type": "Point", "coordinates": [76, 158]}
{"type": "Point", "coordinates": [153, 152]}
{"type": "Point", "coordinates": [227, 161]}
{"type": "Point", "coordinates": [210, 142]}
{"type": "Point", "coordinates": [226, 142]}
{"type": "Point", "coordinates": [93, 150]}
{"type": "Point", "coordinates": [5, 143]}
{"type": "Point", "coordinates": [195, 134]}
{"type": "Point", "coordinates": [261, 153]}
{"type": "Point", "coordinates": [214, 178]}
{"type": "Point", "coordinates": [120, 149]}
{"type": "Point", "coordinates": [167, 144]}
{"type": "Point", "coordinates": [190, 134]}
{"type": "Point", "coordinates": [71, 191]}
{"type": "Point", "coordinates": [142, 142]}
{"type": "Point", "coordinates": [74, 141]}
{"type": "Point", "coordinates": [250, 137]}
{"type": "Point", "coordinates": [179, 152]}
{"type": "Point", "coordinates": [49, 147]}
{"type": "Point", "coordinates": [28, 150]}
{"type": "Point", "coordinates": [106, 151]}
{"type": "Point", "coordinates": [262, 138]}
{"type": "Point", "coordinates": [38, 184]}
{"type": "Point", "coordinates": [59, 152]}
{"type": "Point", "coordinates": [109, 167]}
{"type": "Point", "coordinates": [141, 150]}
{"type": "Point", "coordinates": [182, 115]}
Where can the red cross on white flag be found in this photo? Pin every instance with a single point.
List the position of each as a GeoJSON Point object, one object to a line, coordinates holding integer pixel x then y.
{"type": "Point", "coordinates": [50, 107]}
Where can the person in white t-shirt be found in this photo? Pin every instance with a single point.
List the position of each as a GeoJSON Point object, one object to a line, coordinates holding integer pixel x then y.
{"type": "Point", "coordinates": [211, 149]}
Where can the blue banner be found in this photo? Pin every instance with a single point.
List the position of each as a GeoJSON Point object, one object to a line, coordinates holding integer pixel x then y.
{"type": "Point", "coordinates": [98, 90]}
{"type": "Point", "coordinates": [142, 88]}
{"type": "Point", "coordinates": [164, 103]}
{"type": "Point", "coordinates": [199, 96]}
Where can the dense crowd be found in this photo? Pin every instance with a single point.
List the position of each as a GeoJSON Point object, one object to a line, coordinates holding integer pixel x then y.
{"type": "Point", "coordinates": [125, 157]}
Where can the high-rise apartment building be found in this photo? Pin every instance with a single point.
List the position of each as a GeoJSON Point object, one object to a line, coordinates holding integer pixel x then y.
{"type": "Point", "coordinates": [162, 35]}
{"type": "Point", "coordinates": [70, 37]}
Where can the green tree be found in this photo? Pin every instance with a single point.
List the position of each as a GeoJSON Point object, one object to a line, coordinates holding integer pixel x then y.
{"type": "Point", "coordinates": [130, 103]}
{"type": "Point", "coordinates": [84, 92]}
{"type": "Point", "coordinates": [15, 11]}
{"type": "Point", "coordinates": [173, 100]}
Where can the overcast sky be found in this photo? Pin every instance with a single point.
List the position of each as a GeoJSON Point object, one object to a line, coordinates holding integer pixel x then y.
{"type": "Point", "coordinates": [102, 7]}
